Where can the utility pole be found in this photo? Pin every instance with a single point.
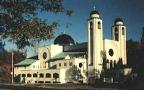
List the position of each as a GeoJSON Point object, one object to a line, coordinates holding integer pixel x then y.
{"type": "Point", "coordinates": [12, 64]}
{"type": "Point", "coordinates": [142, 36]}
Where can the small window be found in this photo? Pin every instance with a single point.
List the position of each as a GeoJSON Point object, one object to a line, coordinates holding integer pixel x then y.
{"type": "Point", "coordinates": [48, 75]}
{"type": "Point", "coordinates": [55, 75]}
{"type": "Point", "coordinates": [59, 64]}
{"type": "Point", "coordinates": [23, 75]}
{"type": "Point", "coordinates": [70, 63]}
{"type": "Point", "coordinates": [47, 82]}
{"type": "Point", "coordinates": [40, 81]}
{"type": "Point", "coordinates": [28, 75]}
{"type": "Point", "coordinates": [65, 64]}
{"type": "Point", "coordinates": [41, 75]}
{"type": "Point", "coordinates": [34, 75]}
{"type": "Point", "coordinates": [33, 66]}
{"type": "Point", "coordinates": [99, 25]}
{"type": "Point", "coordinates": [123, 31]}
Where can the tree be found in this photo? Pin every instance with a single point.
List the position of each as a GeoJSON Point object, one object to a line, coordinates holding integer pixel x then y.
{"type": "Point", "coordinates": [20, 22]}
{"type": "Point", "coordinates": [74, 73]}
{"type": "Point", "coordinates": [104, 64]}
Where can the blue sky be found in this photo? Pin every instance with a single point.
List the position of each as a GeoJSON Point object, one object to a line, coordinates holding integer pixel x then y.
{"type": "Point", "coordinates": [131, 11]}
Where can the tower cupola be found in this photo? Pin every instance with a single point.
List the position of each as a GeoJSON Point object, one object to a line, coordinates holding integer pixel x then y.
{"type": "Point", "coordinates": [118, 21]}
{"type": "Point", "coordinates": [94, 13]}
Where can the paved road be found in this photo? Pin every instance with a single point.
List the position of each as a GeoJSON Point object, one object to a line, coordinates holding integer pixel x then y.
{"type": "Point", "coordinates": [42, 87]}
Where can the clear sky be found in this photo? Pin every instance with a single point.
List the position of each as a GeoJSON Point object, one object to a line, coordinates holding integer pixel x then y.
{"type": "Point", "coordinates": [131, 11]}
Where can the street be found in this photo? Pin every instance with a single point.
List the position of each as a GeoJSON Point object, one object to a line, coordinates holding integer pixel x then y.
{"type": "Point", "coordinates": [50, 87]}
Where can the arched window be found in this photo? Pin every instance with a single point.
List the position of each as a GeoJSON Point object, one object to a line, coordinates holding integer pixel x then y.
{"type": "Point", "coordinates": [41, 75]}
{"type": "Point", "coordinates": [48, 75]}
{"type": "Point", "coordinates": [70, 64]}
{"type": "Point", "coordinates": [107, 66]}
{"type": "Point", "coordinates": [28, 75]}
{"type": "Point", "coordinates": [123, 31]}
{"type": "Point", "coordinates": [59, 64]}
{"type": "Point", "coordinates": [34, 75]}
{"type": "Point", "coordinates": [111, 64]}
{"type": "Point", "coordinates": [23, 75]}
{"type": "Point", "coordinates": [44, 55]}
{"type": "Point", "coordinates": [99, 25]}
{"type": "Point", "coordinates": [65, 64]}
{"type": "Point", "coordinates": [115, 64]}
{"type": "Point", "coordinates": [116, 34]}
{"type": "Point", "coordinates": [55, 75]}
{"type": "Point", "coordinates": [91, 25]}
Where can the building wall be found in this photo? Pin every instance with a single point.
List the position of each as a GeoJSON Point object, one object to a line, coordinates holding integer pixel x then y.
{"type": "Point", "coordinates": [50, 50]}
{"type": "Point", "coordinates": [111, 44]}
{"type": "Point", "coordinates": [121, 39]}
{"type": "Point", "coordinates": [61, 70]}
{"type": "Point", "coordinates": [44, 79]}
{"type": "Point", "coordinates": [55, 49]}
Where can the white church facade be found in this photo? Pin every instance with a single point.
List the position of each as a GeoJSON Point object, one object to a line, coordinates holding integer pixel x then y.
{"type": "Point", "coordinates": [113, 49]}
{"type": "Point", "coordinates": [64, 61]}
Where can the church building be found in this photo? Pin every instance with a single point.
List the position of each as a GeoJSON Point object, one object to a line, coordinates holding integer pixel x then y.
{"type": "Point", "coordinates": [65, 61]}
{"type": "Point", "coordinates": [113, 49]}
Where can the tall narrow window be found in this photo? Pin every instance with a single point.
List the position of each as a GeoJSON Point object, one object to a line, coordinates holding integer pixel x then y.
{"type": "Point", "coordinates": [91, 43]}
{"type": "Point", "coordinates": [111, 64]}
{"type": "Point", "coordinates": [123, 31]}
{"type": "Point", "coordinates": [99, 25]}
{"type": "Point", "coordinates": [116, 34]}
{"type": "Point", "coordinates": [91, 25]}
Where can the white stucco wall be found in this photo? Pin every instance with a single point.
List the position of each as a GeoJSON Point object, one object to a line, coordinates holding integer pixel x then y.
{"type": "Point", "coordinates": [111, 44]}
{"type": "Point", "coordinates": [55, 49]}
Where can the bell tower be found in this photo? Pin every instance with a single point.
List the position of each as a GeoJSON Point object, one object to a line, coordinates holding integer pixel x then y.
{"type": "Point", "coordinates": [119, 35]}
{"type": "Point", "coordinates": [95, 41]}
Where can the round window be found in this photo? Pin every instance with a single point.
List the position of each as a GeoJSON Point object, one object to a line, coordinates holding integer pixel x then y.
{"type": "Point", "coordinates": [44, 55]}
{"type": "Point", "coordinates": [111, 52]}
{"type": "Point", "coordinates": [80, 65]}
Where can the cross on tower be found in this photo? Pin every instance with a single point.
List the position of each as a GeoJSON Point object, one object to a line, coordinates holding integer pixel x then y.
{"type": "Point", "coordinates": [94, 7]}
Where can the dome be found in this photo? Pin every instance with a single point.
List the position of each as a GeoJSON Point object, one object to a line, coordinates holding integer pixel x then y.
{"type": "Point", "coordinates": [94, 13]}
{"type": "Point", "coordinates": [118, 21]}
{"type": "Point", "coordinates": [64, 39]}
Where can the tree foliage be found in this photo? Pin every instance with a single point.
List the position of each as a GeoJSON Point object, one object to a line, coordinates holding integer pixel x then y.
{"type": "Point", "coordinates": [74, 73]}
{"type": "Point", "coordinates": [20, 22]}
